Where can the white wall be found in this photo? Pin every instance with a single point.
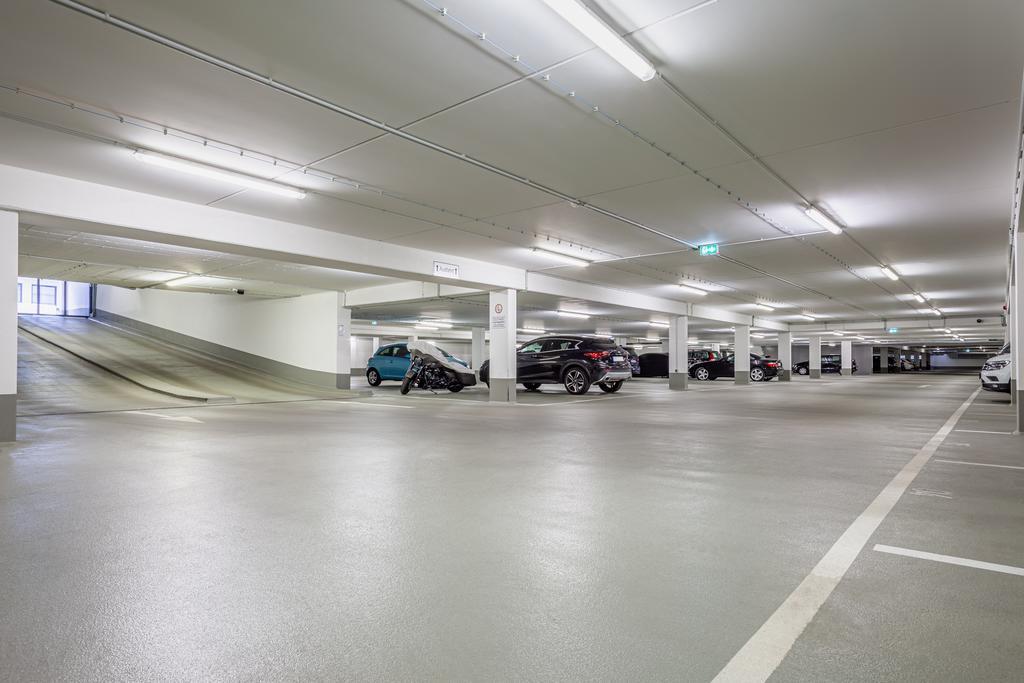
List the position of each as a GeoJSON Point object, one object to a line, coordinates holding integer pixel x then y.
{"type": "Point", "coordinates": [299, 331]}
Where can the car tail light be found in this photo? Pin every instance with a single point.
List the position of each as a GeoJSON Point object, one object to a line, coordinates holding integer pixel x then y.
{"type": "Point", "coordinates": [596, 355]}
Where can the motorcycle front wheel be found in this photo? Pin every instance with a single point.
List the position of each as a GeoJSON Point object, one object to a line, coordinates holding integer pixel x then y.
{"type": "Point", "coordinates": [406, 384]}
{"type": "Point", "coordinates": [455, 387]}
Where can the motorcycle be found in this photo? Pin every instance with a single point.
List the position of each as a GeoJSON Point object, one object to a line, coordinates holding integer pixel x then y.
{"type": "Point", "coordinates": [430, 369]}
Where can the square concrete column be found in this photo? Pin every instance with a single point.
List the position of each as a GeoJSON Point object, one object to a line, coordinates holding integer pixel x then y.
{"type": "Point", "coordinates": [678, 353]}
{"type": "Point", "coordinates": [883, 360]}
{"type": "Point", "coordinates": [786, 356]}
{"type": "Point", "coordinates": [502, 368]}
{"type": "Point", "coordinates": [8, 324]}
{"type": "Point", "coordinates": [1017, 322]}
{"type": "Point", "coordinates": [343, 369]}
{"type": "Point", "coordinates": [478, 351]}
{"type": "Point", "coordinates": [814, 357]}
{"type": "Point", "coordinates": [375, 343]}
{"type": "Point", "coordinates": [846, 357]}
{"type": "Point", "coordinates": [717, 348]}
{"type": "Point", "coordinates": [742, 354]}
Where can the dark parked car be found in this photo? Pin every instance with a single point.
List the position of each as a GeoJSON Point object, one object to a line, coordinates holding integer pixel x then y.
{"type": "Point", "coordinates": [656, 364]}
{"type": "Point", "coordinates": [829, 364]}
{"type": "Point", "coordinates": [634, 361]}
{"type": "Point", "coordinates": [575, 361]}
{"type": "Point", "coordinates": [761, 369]}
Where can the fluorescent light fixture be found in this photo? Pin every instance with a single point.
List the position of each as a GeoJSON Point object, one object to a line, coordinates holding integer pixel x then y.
{"type": "Point", "coordinates": [861, 338]}
{"type": "Point", "coordinates": [764, 307]}
{"type": "Point", "coordinates": [532, 330]}
{"type": "Point", "coordinates": [948, 331]}
{"type": "Point", "coordinates": [559, 256]}
{"type": "Point", "coordinates": [757, 336]}
{"type": "Point", "coordinates": [214, 173]}
{"type": "Point", "coordinates": [836, 333]}
{"type": "Point", "coordinates": [805, 316]}
{"type": "Point", "coordinates": [819, 217]}
{"type": "Point", "coordinates": [572, 314]}
{"type": "Point", "coordinates": [654, 323]}
{"type": "Point", "coordinates": [890, 273]}
{"type": "Point", "coordinates": [936, 311]}
{"type": "Point", "coordinates": [692, 290]}
{"type": "Point", "coordinates": [436, 324]}
{"type": "Point", "coordinates": [177, 281]}
{"type": "Point", "coordinates": [425, 327]}
{"type": "Point", "coordinates": [920, 299]}
{"type": "Point", "coordinates": [587, 23]}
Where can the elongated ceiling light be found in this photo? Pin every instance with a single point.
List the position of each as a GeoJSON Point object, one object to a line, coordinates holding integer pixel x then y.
{"type": "Point", "coordinates": [559, 256]}
{"type": "Point", "coordinates": [587, 23]}
{"type": "Point", "coordinates": [819, 217]}
{"type": "Point", "coordinates": [425, 327]}
{"type": "Point", "coordinates": [436, 324]}
{"type": "Point", "coordinates": [890, 273]}
{"type": "Point", "coordinates": [920, 298]}
{"type": "Point", "coordinates": [654, 323]}
{"type": "Point", "coordinates": [572, 314]}
{"type": "Point", "coordinates": [806, 316]}
{"type": "Point", "coordinates": [532, 330]}
{"type": "Point", "coordinates": [202, 170]}
{"type": "Point", "coordinates": [692, 290]}
{"type": "Point", "coordinates": [765, 307]}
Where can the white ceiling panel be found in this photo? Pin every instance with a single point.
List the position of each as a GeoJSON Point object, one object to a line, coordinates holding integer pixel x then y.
{"type": "Point", "coordinates": [790, 73]}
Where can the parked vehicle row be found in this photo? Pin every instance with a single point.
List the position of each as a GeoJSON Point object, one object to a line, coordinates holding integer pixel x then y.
{"type": "Point", "coordinates": [655, 364]}
{"type": "Point", "coordinates": [392, 361]}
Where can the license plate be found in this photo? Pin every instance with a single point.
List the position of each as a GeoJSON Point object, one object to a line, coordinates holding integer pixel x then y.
{"type": "Point", "coordinates": [617, 359]}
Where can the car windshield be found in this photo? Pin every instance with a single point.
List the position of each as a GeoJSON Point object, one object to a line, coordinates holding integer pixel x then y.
{"type": "Point", "coordinates": [1005, 349]}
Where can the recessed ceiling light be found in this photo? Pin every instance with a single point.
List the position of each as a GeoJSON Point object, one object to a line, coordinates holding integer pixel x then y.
{"type": "Point", "coordinates": [197, 169]}
{"type": "Point", "coordinates": [559, 256]}
{"type": "Point", "coordinates": [819, 217]}
{"type": "Point", "coordinates": [572, 314]}
{"type": "Point", "coordinates": [587, 23]}
{"type": "Point", "coordinates": [890, 273]}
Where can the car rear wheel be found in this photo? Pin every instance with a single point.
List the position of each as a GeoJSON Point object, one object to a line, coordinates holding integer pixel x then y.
{"type": "Point", "coordinates": [532, 386]}
{"type": "Point", "coordinates": [611, 387]}
{"type": "Point", "coordinates": [702, 374]}
{"type": "Point", "coordinates": [803, 371]}
{"type": "Point", "coordinates": [756, 375]}
{"type": "Point", "coordinates": [373, 377]}
{"type": "Point", "coordinates": [576, 381]}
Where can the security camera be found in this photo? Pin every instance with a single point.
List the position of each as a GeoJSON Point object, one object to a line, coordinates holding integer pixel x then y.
{"type": "Point", "coordinates": [978, 320]}
{"type": "Point", "coordinates": [242, 291]}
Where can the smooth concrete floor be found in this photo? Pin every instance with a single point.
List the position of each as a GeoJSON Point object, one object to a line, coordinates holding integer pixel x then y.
{"type": "Point", "coordinates": [641, 536]}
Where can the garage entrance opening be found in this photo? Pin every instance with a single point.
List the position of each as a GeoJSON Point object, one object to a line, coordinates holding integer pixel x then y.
{"type": "Point", "coordinates": [39, 296]}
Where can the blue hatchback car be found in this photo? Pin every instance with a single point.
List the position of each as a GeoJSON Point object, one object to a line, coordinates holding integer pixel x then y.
{"type": "Point", "coordinates": [391, 362]}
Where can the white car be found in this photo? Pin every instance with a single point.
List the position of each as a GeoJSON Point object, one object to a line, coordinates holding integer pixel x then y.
{"type": "Point", "coordinates": [995, 374]}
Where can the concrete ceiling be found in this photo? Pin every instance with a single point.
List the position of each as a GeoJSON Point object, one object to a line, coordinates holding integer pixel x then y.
{"type": "Point", "coordinates": [897, 117]}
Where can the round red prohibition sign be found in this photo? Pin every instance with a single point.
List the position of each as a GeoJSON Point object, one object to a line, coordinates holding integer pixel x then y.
{"type": "Point", "coordinates": [498, 308]}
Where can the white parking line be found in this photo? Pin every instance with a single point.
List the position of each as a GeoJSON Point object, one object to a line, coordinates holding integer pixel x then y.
{"type": "Point", "coordinates": [949, 559]}
{"type": "Point", "coordinates": [982, 431]}
{"type": "Point", "coordinates": [349, 402]}
{"type": "Point", "coordinates": [979, 464]}
{"type": "Point", "coordinates": [766, 649]}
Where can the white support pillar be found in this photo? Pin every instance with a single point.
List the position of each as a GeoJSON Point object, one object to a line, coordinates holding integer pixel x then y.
{"type": "Point", "coordinates": [814, 357]}
{"type": "Point", "coordinates": [786, 356]}
{"type": "Point", "coordinates": [1017, 320]}
{"type": "Point", "coordinates": [846, 357]}
{"type": "Point", "coordinates": [343, 370]}
{"type": "Point", "coordinates": [741, 349]}
{"type": "Point", "coordinates": [678, 353]}
{"type": "Point", "coordinates": [502, 368]}
{"type": "Point", "coordinates": [717, 348]}
{"type": "Point", "coordinates": [8, 324]}
{"type": "Point", "coordinates": [375, 343]}
{"type": "Point", "coordinates": [411, 338]}
{"type": "Point", "coordinates": [478, 352]}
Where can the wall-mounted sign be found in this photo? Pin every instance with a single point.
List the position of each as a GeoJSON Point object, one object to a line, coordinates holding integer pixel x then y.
{"type": "Point", "coordinates": [498, 317]}
{"type": "Point", "coordinates": [442, 269]}
{"type": "Point", "coordinates": [708, 249]}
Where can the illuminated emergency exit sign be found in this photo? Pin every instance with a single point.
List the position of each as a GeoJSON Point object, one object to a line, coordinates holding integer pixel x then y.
{"type": "Point", "coordinates": [708, 249]}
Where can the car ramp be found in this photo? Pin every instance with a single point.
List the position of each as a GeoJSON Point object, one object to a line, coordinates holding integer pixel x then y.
{"type": "Point", "coordinates": [173, 372]}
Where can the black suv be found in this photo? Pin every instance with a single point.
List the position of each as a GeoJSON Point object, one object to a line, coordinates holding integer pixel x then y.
{"type": "Point", "coordinates": [576, 361]}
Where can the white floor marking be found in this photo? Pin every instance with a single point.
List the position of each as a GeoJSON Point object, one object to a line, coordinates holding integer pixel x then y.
{"type": "Point", "coordinates": [949, 559]}
{"type": "Point", "coordinates": [931, 492]}
{"type": "Point", "coordinates": [979, 464]}
{"type": "Point", "coordinates": [980, 431]}
{"type": "Point", "coordinates": [349, 402]}
{"type": "Point", "coordinates": [170, 418]}
{"type": "Point", "coordinates": [766, 649]}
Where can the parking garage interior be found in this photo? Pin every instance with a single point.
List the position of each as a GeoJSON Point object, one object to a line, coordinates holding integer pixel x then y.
{"type": "Point", "coordinates": [553, 340]}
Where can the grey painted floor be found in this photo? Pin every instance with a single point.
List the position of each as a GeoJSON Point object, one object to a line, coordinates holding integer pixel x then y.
{"type": "Point", "coordinates": [641, 536]}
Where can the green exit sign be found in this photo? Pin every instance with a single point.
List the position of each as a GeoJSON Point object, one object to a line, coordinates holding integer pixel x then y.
{"type": "Point", "coordinates": [893, 330]}
{"type": "Point", "coordinates": [708, 249]}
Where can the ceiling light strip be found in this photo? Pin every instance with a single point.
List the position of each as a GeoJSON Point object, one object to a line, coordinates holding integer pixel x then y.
{"type": "Point", "coordinates": [215, 173]}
